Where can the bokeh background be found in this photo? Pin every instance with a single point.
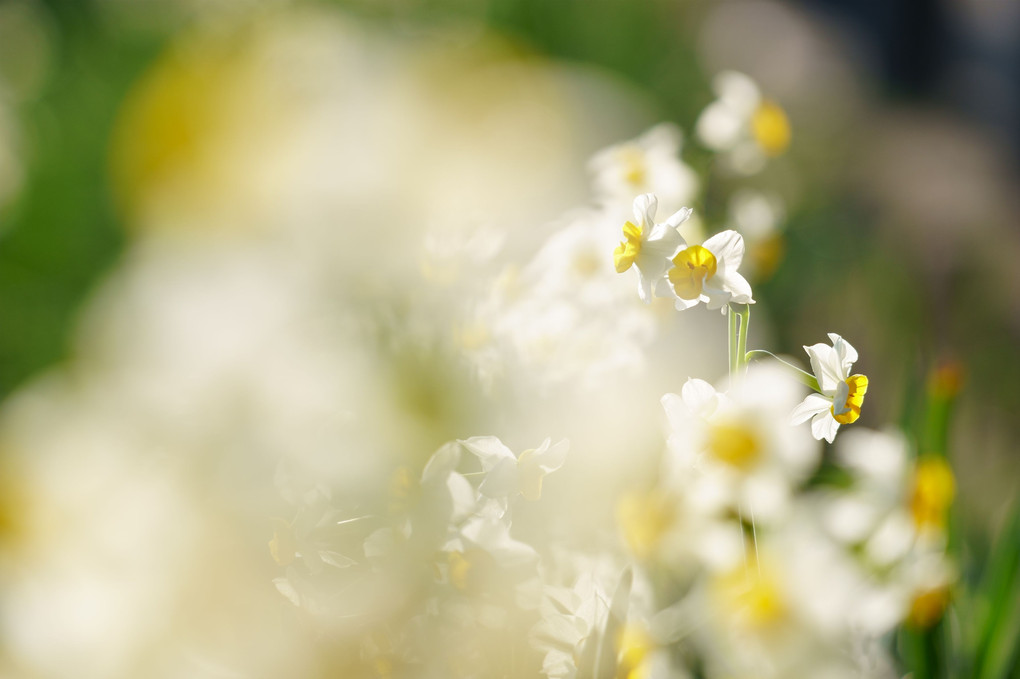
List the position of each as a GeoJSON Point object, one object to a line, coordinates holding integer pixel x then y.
{"type": "Point", "coordinates": [130, 131]}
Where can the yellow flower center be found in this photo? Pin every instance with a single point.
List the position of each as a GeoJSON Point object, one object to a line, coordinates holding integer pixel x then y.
{"type": "Point", "coordinates": [629, 249]}
{"type": "Point", "coordinates": [771, 128]}
{"type": "Point", "coordinates": [850, 410]}
{"type": "Point", "coordinates": [754, 598]}
{"type": "Point", "coordinates": [644, 518]}
{"type": "Point", "coordinates": [632, 160]}
{"type": "Point", "coordinates": [927, 607]}
{"type": "Point", "coordinates": [690, 269]}
{"type": "Point", "coordinates": [733, 443]}
{"type": "Point", "coordinates": [934, 489]}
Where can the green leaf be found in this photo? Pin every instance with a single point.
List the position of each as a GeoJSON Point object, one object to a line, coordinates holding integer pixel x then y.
{"type": "Point", "coordinates": [998, 601]}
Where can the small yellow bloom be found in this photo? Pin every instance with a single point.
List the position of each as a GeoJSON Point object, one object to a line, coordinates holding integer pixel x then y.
{"type": "Point", "coordinates": [771, 128]}
{"type": "Point", "coordinates": [933, 492]}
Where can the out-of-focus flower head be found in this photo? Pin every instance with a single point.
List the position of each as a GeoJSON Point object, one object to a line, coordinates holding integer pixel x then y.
{"type": "Point", "coordinates": [649, 164]}
{"type": "Point", "coordinates": [758, 216]}
{"type": "Point", "coordinates": [565, 316]}
{"type": "Point", "coordinates": [797, 602]}
{"type": "Point", "coordinates": [742, 124]}
{"type": "Point", "coordinates": [736, 450]}
{"type": "Point", "coordinates": [892, 516]}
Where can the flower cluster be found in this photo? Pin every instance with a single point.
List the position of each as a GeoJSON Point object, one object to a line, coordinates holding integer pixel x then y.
{"type": "Point", "coordinates": [304, 415]}
{"type": "Point", "coordinates": [735, 556]}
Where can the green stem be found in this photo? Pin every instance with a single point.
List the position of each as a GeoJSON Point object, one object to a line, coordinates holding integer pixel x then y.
{"type": "Point", "coordinates": [805, 377]}
{"type": "Point", "coordinates": [733, 341]}
{"type": "Point", "coordinates": [745, 321]}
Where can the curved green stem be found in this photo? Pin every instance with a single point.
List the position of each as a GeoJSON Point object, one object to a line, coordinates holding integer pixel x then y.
{"type": "Point", "coordinates": [745, 320]}
{"type": "Point", "coordinates": [805, 377]}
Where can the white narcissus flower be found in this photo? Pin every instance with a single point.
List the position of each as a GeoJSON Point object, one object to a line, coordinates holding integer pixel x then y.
{"type": "Point", "coordinates": [842, 394]}
{"type": "Point", "coordinates": [708, 273]}
{"type": "Point", "coordinates": [649, 246]}
{"type": "Point", "coordinates": [648, 164]}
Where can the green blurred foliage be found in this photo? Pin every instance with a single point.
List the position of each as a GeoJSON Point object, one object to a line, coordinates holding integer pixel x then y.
{"type": "Point", "coordinates": [61, 233]}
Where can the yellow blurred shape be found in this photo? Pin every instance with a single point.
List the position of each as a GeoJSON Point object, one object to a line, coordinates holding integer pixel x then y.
{"type": "Point", "coordinates": [751, 595]}
{"type": "Point", "coordinates": [208, 127]}
{"type": "Point", "coordinates": [634, 645]}
{"type": "Point", "coordinates": [927, 608]}
{"type": "Point", "coordinates": [771, 128]}
{"type": "Point", "coordinates": [644, 518]}
{"type": "Point", "coordinates": [766, 255]}
{"type": "Point", "coordinates": [734, 443]}
{"type": "Point", "coordinates": [635, 170]}
{"type": "Point", "coordinates": [172, 118]}
{"type": "Point", "coordinates": [933, 492]}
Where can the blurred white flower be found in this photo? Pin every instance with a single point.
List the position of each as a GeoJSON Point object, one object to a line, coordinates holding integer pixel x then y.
{"type": "Point", "coordinates": [649, 246]}
{"type": "Point", "coordinates": [737, 449]}
{"type": "Point", "coordinates": [648, 164]}
{"type": "Point", "coordinates": [841, 394]}
{"type": "Point", "coordinates": [758, 216]}
{"type": "Point", "coordinates": [707, 273]}
{"type": "Point", "coordinates": [741, 123]}
{"type": "Point", "coordinates": [792, 608]}
{"type": "Point", "coordinates": [566, 317]}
